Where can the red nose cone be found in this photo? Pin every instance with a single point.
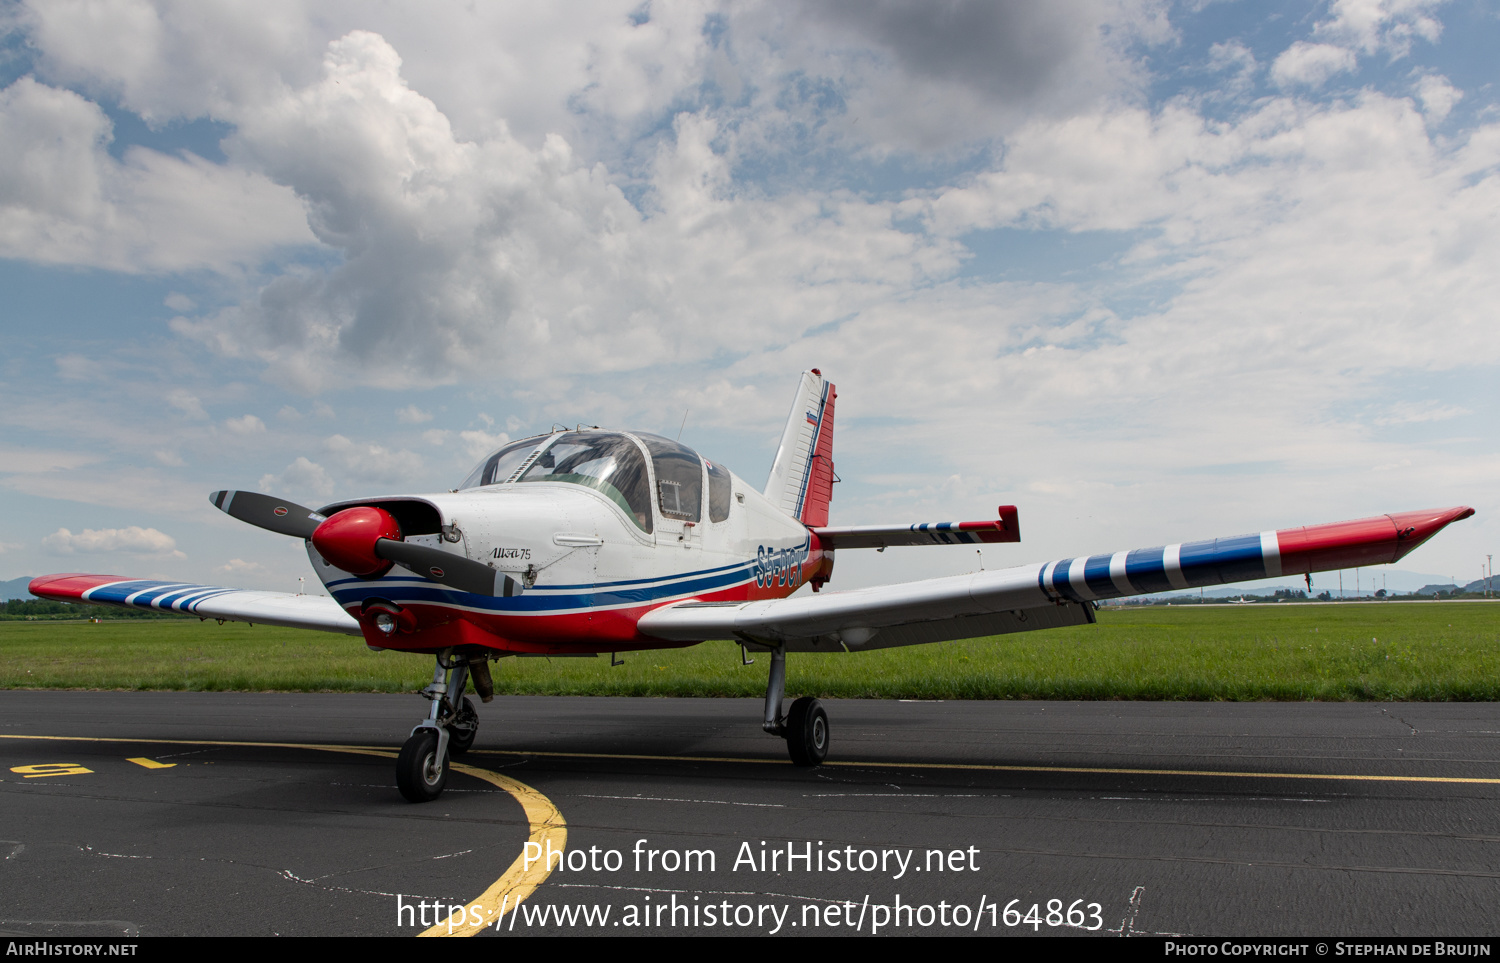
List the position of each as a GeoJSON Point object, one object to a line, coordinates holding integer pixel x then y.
{"type": "Point", "coordinates": [348, 540]}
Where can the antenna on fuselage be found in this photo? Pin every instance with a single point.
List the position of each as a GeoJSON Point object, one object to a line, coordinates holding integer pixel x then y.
{"type": "Point", "coordinates": [684, 423]}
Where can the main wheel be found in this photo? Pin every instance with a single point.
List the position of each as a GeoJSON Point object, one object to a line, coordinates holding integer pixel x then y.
{"type": "Point", "coordinates": [420, 774]}
{"type": "Point", "coordinates": [807, 732]}
{"type": "Point", "coordinates": [461, 737]}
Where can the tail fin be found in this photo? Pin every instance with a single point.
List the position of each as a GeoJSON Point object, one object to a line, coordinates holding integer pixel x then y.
{"type": "Point", "coordinates": [801, 481]}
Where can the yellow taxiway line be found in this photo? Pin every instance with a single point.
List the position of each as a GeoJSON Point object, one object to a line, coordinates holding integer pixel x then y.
{"type": "Point", "coordinates": [488, 908]}
{"type": "Point", "coordinates": [548, 830]}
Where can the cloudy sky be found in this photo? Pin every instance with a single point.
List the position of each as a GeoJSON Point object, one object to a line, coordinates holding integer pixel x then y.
{"type": "Point", "coordinates": [1151, 271]}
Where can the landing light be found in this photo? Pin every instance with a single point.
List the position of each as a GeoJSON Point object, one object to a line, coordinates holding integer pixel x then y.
{"type": "Point", "coordinates": [385, 622]}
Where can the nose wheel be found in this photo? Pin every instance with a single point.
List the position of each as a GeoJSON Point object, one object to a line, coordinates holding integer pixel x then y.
{"type": "Point", "coordinates": [422, 767]}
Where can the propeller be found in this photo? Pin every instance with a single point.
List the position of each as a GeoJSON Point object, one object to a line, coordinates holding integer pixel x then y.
{"type": "Point", "coordinates": [263, 511]}
{"type": "Point", "coordinates": [448, 569]}
{"type": "Point", "coordinates": [366, 541]}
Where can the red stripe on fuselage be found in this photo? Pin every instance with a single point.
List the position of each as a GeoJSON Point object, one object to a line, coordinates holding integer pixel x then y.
{"type": "Point", "coordinates": [592, 631]}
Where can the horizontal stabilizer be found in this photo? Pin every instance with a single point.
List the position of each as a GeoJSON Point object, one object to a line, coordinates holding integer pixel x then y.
{"type": "Point", "coordinates": [1007, 528]}
{"type": "Point", "coordinates": [317, 612]}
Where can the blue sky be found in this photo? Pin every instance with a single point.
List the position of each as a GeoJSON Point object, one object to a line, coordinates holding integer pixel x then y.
{"type": "Point", "coordinates": [1150, 271]}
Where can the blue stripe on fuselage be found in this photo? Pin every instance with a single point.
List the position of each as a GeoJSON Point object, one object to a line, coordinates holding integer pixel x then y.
{"type": "Point", "coordinates": [580, 587]}
{"type": "Point", "coordinates": [543, 599]}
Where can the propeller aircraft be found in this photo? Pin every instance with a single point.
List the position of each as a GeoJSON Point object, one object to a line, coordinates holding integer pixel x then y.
{"type": "Point", "coordinates": [588, 541]}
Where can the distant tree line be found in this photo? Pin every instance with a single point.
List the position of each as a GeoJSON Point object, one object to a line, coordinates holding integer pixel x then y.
{"type": "Point", "coordinates": [1297, 595]}
{"type": "Point", "coordinates": [46, 610]}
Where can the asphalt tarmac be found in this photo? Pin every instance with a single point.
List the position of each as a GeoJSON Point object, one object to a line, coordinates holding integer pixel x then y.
{"type": "Point", "coordinates": [261, 814]}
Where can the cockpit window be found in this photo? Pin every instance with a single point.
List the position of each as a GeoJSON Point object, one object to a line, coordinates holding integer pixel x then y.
{"type": "Point", "coordinates": [601, 460]}
{"type": "Point", "coordinates": [499, 466]}
{"type": "Point", "coordinates": [679, 478]}
{"type": "Point", "coordinates": [719, 489]}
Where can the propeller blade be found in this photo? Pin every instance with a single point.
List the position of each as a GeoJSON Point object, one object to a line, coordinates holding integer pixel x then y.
{"type": "Point", "coordinates": [263, 511]}
{"type": "Point", "coordinates": [448, 569]}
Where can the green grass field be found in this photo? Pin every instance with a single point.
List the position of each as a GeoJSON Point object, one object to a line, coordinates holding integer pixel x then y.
{"type": "Point", "coordinates": [1387, 651]}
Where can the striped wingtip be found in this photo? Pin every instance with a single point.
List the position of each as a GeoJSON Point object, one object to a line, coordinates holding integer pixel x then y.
{"type": "Point", "coordinates": [1290, 551]}
{"type": "Point", "coordinates": [69, 586]}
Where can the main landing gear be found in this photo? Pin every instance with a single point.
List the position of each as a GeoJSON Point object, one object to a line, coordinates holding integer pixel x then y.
{"type": "Point", "coordinates": [805, 728]}
{"type": "Point", "coordinates": [448, 730]}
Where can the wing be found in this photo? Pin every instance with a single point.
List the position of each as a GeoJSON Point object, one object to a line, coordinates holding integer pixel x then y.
{"type": "Point", "coordinates": [206, 601]}
{"type": "Point", "coordinates": [1006, 528]}
{"type": "Point", "coordinates": [1041, 596]}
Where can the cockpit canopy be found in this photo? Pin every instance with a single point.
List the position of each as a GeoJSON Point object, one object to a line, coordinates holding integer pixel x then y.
{"type": "Point", "coordinates": [614, 465]}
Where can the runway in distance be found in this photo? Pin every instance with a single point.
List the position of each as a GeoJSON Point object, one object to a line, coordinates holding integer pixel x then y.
{"type": "Point", "coordinates": [590, 541]}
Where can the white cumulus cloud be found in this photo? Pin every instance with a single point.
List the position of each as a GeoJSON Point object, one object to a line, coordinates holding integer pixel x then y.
{"type": "Point", "coordinates": [1311, 64]}
{"type": "Point", "coordinates": [301, 478]}
{"type": "Point", "coordinates": [132, 541]}
{"type": "Point", "coordinates": [477, 443]}
{"type": "Point", "coordinates": [245, 425]}
{"type": "Point", "coordinates": [371, 463]}
{"type": "Point", "coordinates": [412, 415]}
{"type": "Point", "coordinates": [64, 199]}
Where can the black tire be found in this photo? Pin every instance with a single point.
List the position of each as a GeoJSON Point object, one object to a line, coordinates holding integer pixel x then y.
{"type": "Point", "coordinates": [807, 732]}
{"type": "Point", "coordinates": [420, 775]}
{"type": "Point", "coordinates": [461, 737]}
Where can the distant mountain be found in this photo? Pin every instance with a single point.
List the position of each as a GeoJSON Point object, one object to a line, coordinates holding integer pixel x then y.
{"type": "Point", "coordinates": [15, 589]}
{"type": "Point", "coordinates": [1477, 586]}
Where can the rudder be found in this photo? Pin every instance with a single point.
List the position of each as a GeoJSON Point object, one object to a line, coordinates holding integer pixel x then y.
{"type": "Point", "coordinates": [802, 477]}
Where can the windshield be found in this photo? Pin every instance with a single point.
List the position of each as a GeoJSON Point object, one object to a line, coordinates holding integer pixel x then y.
{"type": "Point", "coordinates": [499, 466]}
{"type": "Point", "coordinates": [601, 460]}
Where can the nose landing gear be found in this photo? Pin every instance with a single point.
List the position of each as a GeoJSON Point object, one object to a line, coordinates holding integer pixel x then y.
{"type": "Point", "coordinates": [422, 766]}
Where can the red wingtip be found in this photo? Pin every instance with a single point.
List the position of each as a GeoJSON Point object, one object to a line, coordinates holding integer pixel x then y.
{"type": "Point", "coordinates": [1414, 528]}
{"type": "Point", "coordinates": [1362, 541]}
{"type": "Point", "coordinates": [69, 586]}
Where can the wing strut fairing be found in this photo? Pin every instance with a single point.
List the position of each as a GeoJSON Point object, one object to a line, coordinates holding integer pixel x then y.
{"type": "Point", "coordinates": [993, 603]}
